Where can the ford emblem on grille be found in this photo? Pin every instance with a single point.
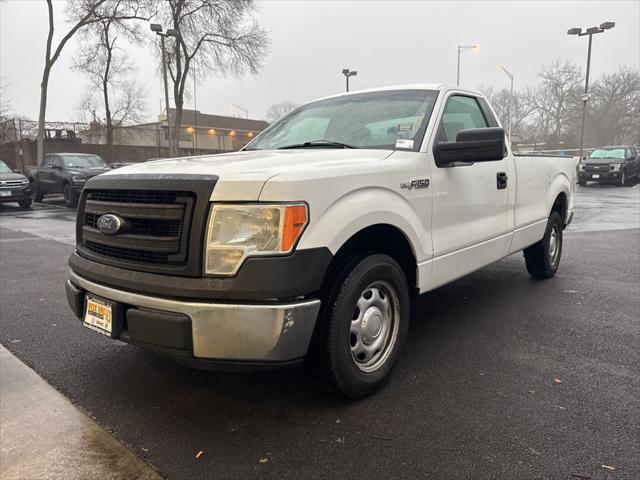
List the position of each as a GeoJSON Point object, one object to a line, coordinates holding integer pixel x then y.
{"type": "Point", "coordinates": [110, 224]}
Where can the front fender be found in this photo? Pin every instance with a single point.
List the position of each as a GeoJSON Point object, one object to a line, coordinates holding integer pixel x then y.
{"type": "Point", "coordinates": [363, 208]}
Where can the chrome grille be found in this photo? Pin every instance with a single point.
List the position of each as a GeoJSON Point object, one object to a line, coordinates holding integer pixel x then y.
{"type": "Point", "coordinates": [11, 183]}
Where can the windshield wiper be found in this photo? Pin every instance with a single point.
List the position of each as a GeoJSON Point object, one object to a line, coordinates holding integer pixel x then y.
{"type": "Point", "coordinates": [317, 143]}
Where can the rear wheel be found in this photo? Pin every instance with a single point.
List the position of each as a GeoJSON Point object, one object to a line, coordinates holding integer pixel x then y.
{"type": "Point", "coordinates": [543, 258]}
{"type": "Point", "coordinates": [364, 324]}
{"type": "Point", "coordinates": [70, 197]}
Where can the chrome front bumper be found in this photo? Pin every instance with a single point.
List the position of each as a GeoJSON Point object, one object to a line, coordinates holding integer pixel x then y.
{"type": "Point", "coordinates": [222, 331]}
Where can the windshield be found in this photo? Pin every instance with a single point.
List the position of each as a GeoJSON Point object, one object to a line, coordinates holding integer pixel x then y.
{"type": "Point", "coordinates": [83, 161]}
{"type": "Point", "coordinates": [607, 153]}
{"type": "Point", "coordinates": [384, 120]}
{"type": "Point", "coordinates": [4, 168]}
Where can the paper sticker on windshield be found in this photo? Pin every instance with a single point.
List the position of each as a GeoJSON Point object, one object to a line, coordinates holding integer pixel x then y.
{"type": "Point", "coordinates": [404, 143]}
{"type": "Point", "coordinates": [405, 127]}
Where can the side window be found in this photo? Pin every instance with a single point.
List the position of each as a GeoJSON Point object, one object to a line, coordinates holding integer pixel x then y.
{"type": "Point", "coordinates": [461, 113]}
{"type": "Point", "coordinates": [58, 161]}
{"type": "Point", "coordinates": [48, 160]}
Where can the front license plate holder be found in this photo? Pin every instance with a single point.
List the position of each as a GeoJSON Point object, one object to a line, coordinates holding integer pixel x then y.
{"type": "Point", "coordinates": [595, 175]}
{"type": "Point", "coordinates": [5, 193]}
{"type": "Point", "coordinates": [102, 315]}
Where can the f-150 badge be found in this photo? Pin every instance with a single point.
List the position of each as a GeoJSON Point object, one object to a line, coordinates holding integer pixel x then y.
{"type": "Point", "coordinates": [417, 184]}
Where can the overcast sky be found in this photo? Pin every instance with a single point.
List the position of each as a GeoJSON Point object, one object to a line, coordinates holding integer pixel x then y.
{"type": "Point", "coordinates": [387, 42]}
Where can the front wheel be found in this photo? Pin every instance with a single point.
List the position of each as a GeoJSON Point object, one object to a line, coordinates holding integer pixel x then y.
{"type": "Point", "coordinates": [365, 323]}
{"type": "Point", "coordinates": [70, 197]}
{"type": "Point", "coordinates": [37, 193]}
{"type": "Point", "coordinates": [623, 179]}
{"type": "Point", "coordinates": [25, 203]}
{"type": "Point", "coordinates": [582, 183]}
{"type": "Point", "coordinates": [543, 258]}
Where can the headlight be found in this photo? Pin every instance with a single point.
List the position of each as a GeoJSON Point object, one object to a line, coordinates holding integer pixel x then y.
{"type": "Point", "coordinates": [78, 179]}
{"type": "Point", "coordinates": [235, 232]}
{"type": "Point", "coordinates": [24, 181]}
{"type": "Point", "coordinates": [614, 167]}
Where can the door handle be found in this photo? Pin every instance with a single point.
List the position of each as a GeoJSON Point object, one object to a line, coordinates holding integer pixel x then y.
{"type": "Point", "coordinates": [501, 180]}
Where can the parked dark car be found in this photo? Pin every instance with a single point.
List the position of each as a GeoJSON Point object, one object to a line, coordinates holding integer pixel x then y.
{"type": "Point", "coordinates": [14, 187]}
{"type": "Point", "coordinates": [65, 173]}
{"type": "Point", "coordinates": [616, 164]}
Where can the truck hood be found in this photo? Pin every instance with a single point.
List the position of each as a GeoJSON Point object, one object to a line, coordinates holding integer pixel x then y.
{"type": "Point", "coordinates": [11, 176]}
{"type": "Point", "coordinates": [603, 161]}
{"type": "Point", "coordinates": [243, 174]}
{"type": "Point", "coordinates": [87, 172]}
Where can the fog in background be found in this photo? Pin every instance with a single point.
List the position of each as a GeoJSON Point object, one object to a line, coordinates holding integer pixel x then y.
{"type": "Point", "coordinates": [387, 42]}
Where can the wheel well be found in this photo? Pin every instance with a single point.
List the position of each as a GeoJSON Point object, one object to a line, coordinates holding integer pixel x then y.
{"type": "Point", "coordinates": [560, 206]}
{"type": "Point", "coordinates": [381, 238]}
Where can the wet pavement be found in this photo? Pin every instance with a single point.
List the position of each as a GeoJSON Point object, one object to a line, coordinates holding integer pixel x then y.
{"type": "Point", "coordinates": [501, 377]}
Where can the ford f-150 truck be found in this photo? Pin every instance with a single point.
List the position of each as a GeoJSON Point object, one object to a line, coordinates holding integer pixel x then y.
{"type": "Point", "coordinates": [311, 241]}
{"type": "Point", "coordinates": [65, 173]}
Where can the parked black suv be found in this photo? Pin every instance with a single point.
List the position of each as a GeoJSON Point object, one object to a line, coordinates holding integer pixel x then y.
{"type": "Point", "coordinates": [14, 187]}
{"type": "Point", "coordinates": [65, 173]}
{"type": "Point", "coordinates": [610, 165]}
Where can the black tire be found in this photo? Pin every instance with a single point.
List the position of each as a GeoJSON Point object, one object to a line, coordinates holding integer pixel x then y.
{"type": "Point", "coordinates": [26, 203]}
{"type": "Point", "coordinates": [37, 194]}
{"type": "Point", "coordinates": [70, 197]}
{"type": "Point", "coordinates": [542, 259]}
{"type": "Point", "coordinates": [582, 183]}
{"type": "Point", "coordinates": [622, 181]}
{"type": "Point", "coordinates": [382, 277]}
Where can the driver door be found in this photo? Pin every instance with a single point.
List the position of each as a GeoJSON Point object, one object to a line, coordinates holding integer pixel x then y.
{"type": "Point", "coordinates": [472, 217]}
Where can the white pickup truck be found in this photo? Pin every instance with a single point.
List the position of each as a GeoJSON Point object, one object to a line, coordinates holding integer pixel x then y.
{"type": "Point", "coordinates": [311, 241]}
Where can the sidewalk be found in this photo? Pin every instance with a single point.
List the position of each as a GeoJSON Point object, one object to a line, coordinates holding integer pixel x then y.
{"type": "Point", "coordinates": [43, 436]}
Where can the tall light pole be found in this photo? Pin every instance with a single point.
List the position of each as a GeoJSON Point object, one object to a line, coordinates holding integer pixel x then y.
{"type": "Point", "coordinates": [463, 48]}
{"type": "Point", "coordinates": [585, 96]}
{"type": "Point", "coordinates": [510, 107]}
{"type": "Point", "coordinates": [170, 33]}
{"type": "Point", "coordinates": [195, 110]}
{"type": "Point", "coordinates": [348, 73]}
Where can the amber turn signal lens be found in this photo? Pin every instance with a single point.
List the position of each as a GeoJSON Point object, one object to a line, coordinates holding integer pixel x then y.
{"type": "Point", "coordinates": [295, 219]}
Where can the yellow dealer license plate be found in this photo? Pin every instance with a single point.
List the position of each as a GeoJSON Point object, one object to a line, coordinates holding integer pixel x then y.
{"type": "Point", "coordinates": [98, 316]}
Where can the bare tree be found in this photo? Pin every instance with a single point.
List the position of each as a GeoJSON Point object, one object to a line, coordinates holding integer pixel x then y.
{"type": "Point", "coordinates": [279, 110]}
{"type": "Point", "coordinates": [556, 99]}
{"type": "Point", "coordinates": [80, 14]}
{"type": "Point", "coordinates": [105, 63]}
{"type": "Point", "coordinates": [613, 113]}
{"type": "Point", "coordinates": [5, 104]}
{"type": "Point", "coordinates": [521, 108]}
{"type": "Point", "coordinates": [222, 36]}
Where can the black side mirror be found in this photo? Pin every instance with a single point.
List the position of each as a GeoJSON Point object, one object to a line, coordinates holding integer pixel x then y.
{"type": "Point", "coordinates": [472, 145]}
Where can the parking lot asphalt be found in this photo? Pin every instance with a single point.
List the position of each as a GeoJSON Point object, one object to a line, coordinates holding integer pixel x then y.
{"type": "Point", "coordinates": [502, 376]}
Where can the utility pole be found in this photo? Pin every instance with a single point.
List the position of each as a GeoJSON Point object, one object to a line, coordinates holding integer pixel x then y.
{"type": "Point", "coordinates": [463, 48]}
{"type": "Point", "coordinates": [510, 106]}
{"type": "Point", "coordinates": [170, 33]}
{"type": "Point", "coordinates": [585, 96]}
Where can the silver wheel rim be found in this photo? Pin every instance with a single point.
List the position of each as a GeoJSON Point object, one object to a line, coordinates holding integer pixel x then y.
{"type": "Point", "coordinates": [554, 245]}
{"type": "Point", "coordinates": [374, 326]}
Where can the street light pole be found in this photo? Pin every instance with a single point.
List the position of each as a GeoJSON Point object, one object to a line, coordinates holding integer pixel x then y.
{"type": "Point", "coordinates": [463, 48]}
{"type": "Point", "coordinates": [510, 107]}
{"type": "Point", "coordinates": [195, 110]}
{"type": "Point", "coordinates": [170, 33]}
{"type": "Point", "coordinates": [585, 96]}
{"type": "Point", "coordinates": [348, 73]}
